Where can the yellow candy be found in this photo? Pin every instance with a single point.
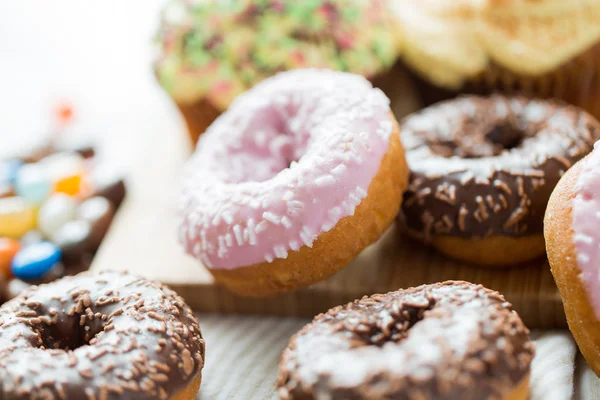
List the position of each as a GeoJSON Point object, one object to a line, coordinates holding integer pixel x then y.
{"type": "Point", "coordinates": [70, 184]}
{"type": "Point", "coordinates": [17, 217]}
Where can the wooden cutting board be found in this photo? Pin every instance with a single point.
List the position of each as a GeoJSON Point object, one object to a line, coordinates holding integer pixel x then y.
{"type": "Point", "coordinates": [143, 240]}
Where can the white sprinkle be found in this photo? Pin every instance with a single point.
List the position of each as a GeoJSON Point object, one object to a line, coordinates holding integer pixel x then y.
{"type": "Point", "coordinates": [229, 240]}
{"type": "Point", "coordinates": [205, 260]}
{"type": "Point", "coordinates": [324, 180]}
{"type": "Point", "coordinates": [580, 237]}
{"type": "Point", "coordinates": [583, 258]}
{"type": "Point", "coordinates": [216, 219]}
{"type": "Point", "coordinates": [326, 227]}
{"type": "Point", "coordinates": [265, 203]}
{"type": "Point", "coordinates": [269, 258]}
{"type": "Point", "coordinates": [203, 239]}
{"type": "Point", "coordinates": [335, 213]}
{"type": "Point", "coordinates": [196, 249]}
{"type": "Point", "coordinates": [228, 217]}
{"type": "Point", "coordinates": [339, 170]}
{"type": "Point", "coordinates": [285, 221]}
{"type": "Point", "coordinates": [237, 231]}
{"type": "Point", "coordinates": [307, 236]}
{"type": "Point", "coordinates": [280, 252]}
{"type": "Point", "coordinates": [255, 204]}
{"type": "Point", "coordinates": [360, 192]}
{"type": "Point", "coordinates": [246, 235]}
{"type": "Point", "coordinates": [295, 204]}
{"type": "Point", "coordinates": [269, 216]}
{"type": "Point", "coordinates": [288, 195]}
{"type": "Point", "coordinates": [252, 231]}
{"type": "Point", "coordinates": [598, 214]}
{"type": "Point", "coordinates": [261, 227]}
{"type": "Point", "coordinates": [294, 245]}
{"type": "Point", "coordinates": [192, 234]}
{"type": "Point", "coordinates": [354, 199]}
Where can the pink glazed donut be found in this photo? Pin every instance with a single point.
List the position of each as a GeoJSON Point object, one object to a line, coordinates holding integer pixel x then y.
{"type": "Point", "coordinates": [293, 181]}
{"type": "Point", "coordinates": [572, 233]}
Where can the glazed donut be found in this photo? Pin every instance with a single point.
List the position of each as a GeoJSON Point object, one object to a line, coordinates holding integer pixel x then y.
{"type": "Point", "coordinates": [210, 52]}
{"type": "Point", "coordinates": [483, 169]}
{"type": "Point", "coordinates": [572, 243]}
{"type": "Point", "coordinates": [104, 336]}
{"type": "Point", "coordinates": [294, 180]}
{"type": "Point", "coordinates": [446, 341]}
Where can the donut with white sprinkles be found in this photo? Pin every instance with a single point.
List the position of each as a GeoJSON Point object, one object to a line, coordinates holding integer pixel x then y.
{"type": "Point", "coordinates": [293, 181]}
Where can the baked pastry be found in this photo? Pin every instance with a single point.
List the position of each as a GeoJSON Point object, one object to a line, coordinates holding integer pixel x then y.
{"type": "Point", "coordinates": [446, 341]}
{"type": "Point", "coordinates": [572, 242]}
{"type": "Point", "coordinates": [103, 336]}
{"type": "Point", "coordinates": [298, 176]}
{"type": "Point", "coordinates": [483, 169]}
{"type": "Point", "coordinates": [212, 51]}
{"type": "Point", "coordinates": [544, 48]}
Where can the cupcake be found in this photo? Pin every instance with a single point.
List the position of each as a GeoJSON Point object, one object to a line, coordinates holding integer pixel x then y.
{"type": "Point", "coordinates": [541, 48]}
{"type": "Point", "coordinates": [211, 51]}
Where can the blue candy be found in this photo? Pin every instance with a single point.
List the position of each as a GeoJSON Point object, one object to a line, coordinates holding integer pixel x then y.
{"type": "Point", "coordinates": [8, 171]}
{"type": "Point", "coordinates": [35, 260]}
{"type": "Point", "coordinates": [33, 183]}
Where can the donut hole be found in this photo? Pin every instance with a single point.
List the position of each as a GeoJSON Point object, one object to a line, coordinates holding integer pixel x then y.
{"type": "Point", "coordinates": [505, 136]}
{"type": "Point", "coordinates": [70, 332]}
{"type": "Point", "coordinates": [400, 318]}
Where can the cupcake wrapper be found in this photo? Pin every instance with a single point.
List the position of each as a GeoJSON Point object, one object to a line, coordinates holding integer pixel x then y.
{"type": "Point", "coordinates": [576, 82]}
{"type": "Point", "coordinates": [198, 117]}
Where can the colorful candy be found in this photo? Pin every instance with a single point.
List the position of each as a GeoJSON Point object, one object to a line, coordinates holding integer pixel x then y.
{"type": "Point", "coordinates": [74, 238]}
{"type": "Point", "coordinates": [55, 208]}
{"type": "Point", "coordinates": [33, 183]}
{"type": "Point", "coordinates": [8, 249]}
{"type": "Point", "coordinates": [17, 217]}
{"type": "Point", "coordinates": [67, 170]}
{"type": "Point", "coordinates": [55, 212]}
{"type": "Point", "coordinates": [34, 261]}
{"type": "Point", "coordinates": [98, 211]}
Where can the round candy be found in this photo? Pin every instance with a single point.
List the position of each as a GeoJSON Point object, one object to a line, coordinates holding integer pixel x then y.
{"type": "Point", "coordinates": [33, 183]}
{"type": "Point", "coordinates": [55, 212]}
{"type": "Point", "coordinates": [8, 249]}
{"type": "Point", "coordinates": [70, 185]}
{"type": "Point", "coordinates": [8, 171]}
{"type": "Point", "coordinates": [108, 183]}
{"type": "Point", "coordinates": [17, 217]}
{"type": "Point", "coordinates": [74, 238]}
{"type": "Point", "coordinates": [99, 212]}
{"type": "Point", "coordinates": [66, 170]}
{"type": "Point", "coordinates": [15, 287]}
{"type": "Point", "coordinates": [34, 261]}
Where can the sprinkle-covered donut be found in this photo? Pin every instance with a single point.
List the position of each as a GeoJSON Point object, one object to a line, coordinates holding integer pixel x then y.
{"type": "Point", "coordinates": [293, 181]}
{"type": "Point", "coordinates": [210, 52]}
{"type": "Point", "coordinates": [104, 336]}
{"type": "Point", "coordinates": [573, 245]}
{"type": "Point", "coordinates": [446, 341]}
{"type": "Point", "coordinates": [483, 169]}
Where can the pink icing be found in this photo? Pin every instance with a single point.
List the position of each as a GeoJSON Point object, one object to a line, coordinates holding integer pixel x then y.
{"type": "Point", "coordinates": [286, 162]}
{"type": "Point", "coordinates": [586, 224]}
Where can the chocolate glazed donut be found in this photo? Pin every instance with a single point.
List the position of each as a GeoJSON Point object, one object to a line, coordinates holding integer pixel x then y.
{"type": "Point", "coordinates": [483, 170]}
{"type": "Point", "coordinates": [446, 341]}
{"type": "Point", "coordinates": [99, 337]}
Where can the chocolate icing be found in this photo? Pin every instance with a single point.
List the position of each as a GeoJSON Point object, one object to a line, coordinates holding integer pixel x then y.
{"type": "Point", "coordinates": [485, 166]}
{"type": "Point", "coordinates": [103, 336]}
{"type": "Point", "coordinates": [451, 340]}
